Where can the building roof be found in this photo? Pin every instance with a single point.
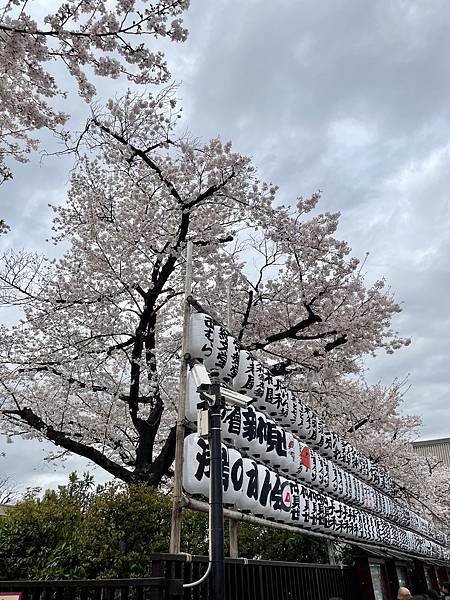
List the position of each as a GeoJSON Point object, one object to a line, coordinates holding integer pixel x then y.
{"type": "Point", "coordinates": [433, 442]}
{"type": "Point", "coordinates": [438, 448]}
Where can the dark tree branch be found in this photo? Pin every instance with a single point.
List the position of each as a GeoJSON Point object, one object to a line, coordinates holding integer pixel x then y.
{"type": "Point", "coordinates": [224, 240]}
{"type": "Point", "coordinates": [147, 430]}
{"type": "Point", "coordinates": [246, 315]}
{"type": "Point", "coordinates": [337, 342]}
{"type": "Point", "coordinates": [162, 463]}
{"type": "Point", "coordinates": [213, 189]}
{"type": "Point", "coordinates": [62, 439]}
{"type": "Point", "coordinates": [281, 368]}
{"type": "Point", "coordinates": [289, 333]}
{"type": "Point", "coordinates": [143, 156]}
{"type": "Point", "coordinates": [359, 424]}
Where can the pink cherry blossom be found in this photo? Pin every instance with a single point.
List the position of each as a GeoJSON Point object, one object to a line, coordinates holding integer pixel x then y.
{"type": "Point", "coordinates": [93, 365]}
{"type": "Point", "coordinates": [84, 36]}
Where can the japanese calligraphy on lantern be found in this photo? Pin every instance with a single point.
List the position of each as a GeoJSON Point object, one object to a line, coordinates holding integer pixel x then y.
{"type": "Point", "coordinates": [251, 487]}
{"type": "Point", "coordinates": [281, 463]}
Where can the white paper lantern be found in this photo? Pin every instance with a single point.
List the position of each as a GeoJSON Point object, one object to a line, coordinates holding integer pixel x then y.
{"type": "Point", "coordinates": [268, 402]}
{"type": "Point", "coordinates": [260, 382]}
{"type": "Point", "coordinates": [284, 416]}
{"type": "Point", "coordinates": [349, 455]}
{"type": "Point", "coordinates": [232, 496]}
{"type": "Point", "coordinates": [294, 407]}
{"type": "Point", "coordinates": [275, 452]}
{"type": "Point", "coordinates": [196, 467]}
{"type": "Point", "coordinates": [350, 492]}
{"type": "Point", "coordinates": [266, 481]}
{"type": "Point", "coordinates": [192, 398]}
{"type": "Point", "coordinates": [323, 476]}
{"type": "Point", "coordinates": [234, 355]}
{"type": "Point", "coordinates": [353, 466]}
{"type": "Point", "coordinates": [311, 427]}
{"type": "Point", "coordinates": [344, 459]}
{"type": "Point", "coordinates": [310, 500]}
{"type": "Point", "coordinates": [364, 468]}
{"type": "Point", "coordinates": [305, 464]}
{"type": "Point", "coordinates": [341, 491]}
{"type": "Point", "coordinates": [325, 510]}
{"type": "Point", "coordinates": [247, 430]}
{"type": "Point", "coordinates": [348, 487]}
{"type": "Point", "coordinates": [257, 434]}
{"type": "Point", "coordinates": [338, 449]}
{"type": "Point", "coordinates": [348, 519]}
{"type": "Point", "coordinates": [305, 422]}
{"type": "Point", "coordinates": [285, 502]}
{"type": "Point", "coordinates": [316, 466]}
{"type": "Point", "coordinates": [231, 424]}
{"type": "Point", "coordinates": [338, 517]}
{"type": "Point", "coordinates": [280, 401]}
{"type": "Point", "coordinates": [201, 336]}
{"type": "Point", "coordinates": [294, 449]}
{"type": "Point", "coordinates": [334, 479]}
{"type": "Point", "coordinates": [317, 437]}
{"type": "Point", "coordinates": [288, 462]}
{"type": "Point", "coordinates": [217, 362]}
{"type": "Point", "coordinates": [249, 498]}
{"type": "Point", "coordinates": [247, 378]}
{"type": "Point", "coordinates": [328, 443]}
{"type": "Point", "coordinates": [227, 360]}
{"type": "Point", "coordinates": [297, 505]}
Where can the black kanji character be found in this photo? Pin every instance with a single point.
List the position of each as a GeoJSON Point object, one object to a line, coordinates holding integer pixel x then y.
{"type": "Point", "coordinates": [249, 424]}
{"type": "Point", "coordinates": [252, 485]}
{"type": "Point", "coordinates": [232, 419]}
{"type": "Point", "coordinates": [276, 439]}
{"type": "Point", "coordinates": [202, 460]}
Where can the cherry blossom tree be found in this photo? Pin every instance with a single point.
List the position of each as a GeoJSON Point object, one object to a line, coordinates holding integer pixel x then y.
{"type": "Point", "coordinates": [375, 423]}
{"type": "Point", "coordinates": [93, 365]}
{"type": "Point", "coordinates": [89, 38]}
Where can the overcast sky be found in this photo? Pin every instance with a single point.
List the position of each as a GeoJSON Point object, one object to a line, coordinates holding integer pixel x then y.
{"type": "Point", "coordinates": [349, 97]}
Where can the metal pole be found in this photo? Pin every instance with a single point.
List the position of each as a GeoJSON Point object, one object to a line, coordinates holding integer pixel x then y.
{"type": "Point", "coordinates": [216, 500]}
{"type": "Point", "coordinates": [242, 517]}
{"type": "Point", "coordinates": [175, 533]}
{"type": "Point", "coordinates": [232, 525]}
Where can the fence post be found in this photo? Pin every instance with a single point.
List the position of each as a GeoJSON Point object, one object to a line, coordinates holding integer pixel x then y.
{"type": "Point", "coordinates": [331, 552]}
{"type": "Point", "coordinates": [233, 534]}
{"type": "Point", "coordinates": [174, 589]}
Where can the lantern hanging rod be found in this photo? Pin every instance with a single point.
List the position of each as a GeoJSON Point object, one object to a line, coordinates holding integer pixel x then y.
{"type": "Point", "coordinates": [200, 506]}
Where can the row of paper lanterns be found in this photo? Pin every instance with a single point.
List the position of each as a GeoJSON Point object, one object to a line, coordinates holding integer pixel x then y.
{"type": "Point", "coordinates": [253, 488]}
{"type": "Point", "coordinates": [237, 369]}
{"type": "Point", "coordinates": [257, 437]}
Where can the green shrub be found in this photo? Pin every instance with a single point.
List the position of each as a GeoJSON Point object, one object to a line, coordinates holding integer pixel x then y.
{"type": "Point", "coordinates": [84, 531]}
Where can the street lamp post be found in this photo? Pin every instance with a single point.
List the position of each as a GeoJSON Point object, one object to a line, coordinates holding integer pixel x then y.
{"type": "Point", "coordinates": [216, 500]}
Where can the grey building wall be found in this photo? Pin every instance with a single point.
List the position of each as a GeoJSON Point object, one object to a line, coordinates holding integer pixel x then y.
{"type": "Point", "coordinates": [439, 448]}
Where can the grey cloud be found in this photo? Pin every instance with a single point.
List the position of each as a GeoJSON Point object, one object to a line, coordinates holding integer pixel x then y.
{"type": "Point", "coordinates": [23, 462]}
{"type": "Point", "coordinates": [352, 99]}
{"type": "Point", "coordinates": [349, 97]}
